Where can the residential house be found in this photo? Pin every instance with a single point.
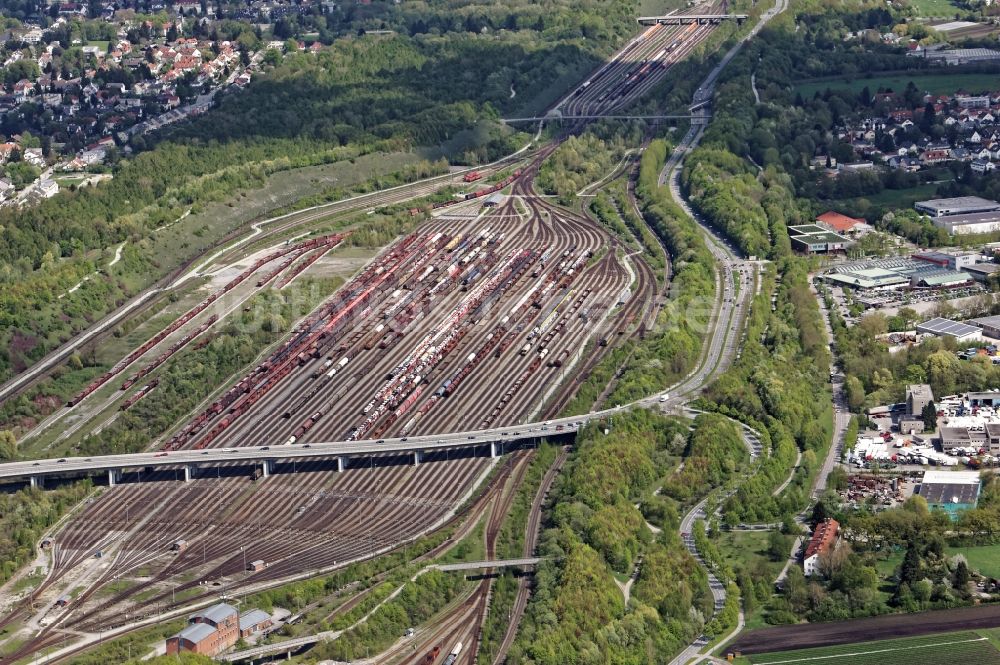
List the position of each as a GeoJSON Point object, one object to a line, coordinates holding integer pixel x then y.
{"type": "Point", "coordinates": [982, 166]}
{"type": "Point", "coordinates": [824, 539]}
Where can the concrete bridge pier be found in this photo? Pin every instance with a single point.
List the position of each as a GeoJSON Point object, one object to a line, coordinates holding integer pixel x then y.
{"type": "Point", "coordinates": [266, 467]}
{"type": "Point", "coordinates": [418, 456]}
{"type": "Point", "coordinates": [494, 449]}
{"type": "Point", "coordinates": [114, 475]}
{"type": "Point", "coordinates": [341, 463]}
{"type": "Point", "coordinates": [188, 473]}
{"type": "Point", "coordinates": [35, 482]}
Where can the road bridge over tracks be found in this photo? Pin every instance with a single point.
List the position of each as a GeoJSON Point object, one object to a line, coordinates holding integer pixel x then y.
{"type": "Point", "coordinates": [275, 458]}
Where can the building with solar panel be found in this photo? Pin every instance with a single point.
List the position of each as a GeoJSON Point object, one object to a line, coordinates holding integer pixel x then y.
{"type": "Point", "coordinates": [947, 328]}
{"type": "Point", "coordinates": [950, 491]}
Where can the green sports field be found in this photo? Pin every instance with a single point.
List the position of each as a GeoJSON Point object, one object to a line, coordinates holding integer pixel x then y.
{"type": "Point", "coordinates": [966, 647]}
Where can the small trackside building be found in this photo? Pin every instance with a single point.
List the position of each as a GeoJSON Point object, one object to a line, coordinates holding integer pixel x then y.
{"type": "Point", "coordinates": [824, 538]}
{"type": "Point", "coordinates": [210, 632]}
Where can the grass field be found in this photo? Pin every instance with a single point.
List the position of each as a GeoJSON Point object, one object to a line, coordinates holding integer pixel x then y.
{"type": "Point", "coordinates": [936, 84]}
{"type": "Point", "coordinates": [934, 7]}
{"type": "Point", "coordinates": [892, 198]}
{"type": "Point", "coordinates": [985, 559]}
{"type": "Point", "coordinates": [965, 647]}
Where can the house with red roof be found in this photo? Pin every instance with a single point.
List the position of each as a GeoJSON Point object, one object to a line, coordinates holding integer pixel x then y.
{"type": "Point", "coordinates": [824, 539]}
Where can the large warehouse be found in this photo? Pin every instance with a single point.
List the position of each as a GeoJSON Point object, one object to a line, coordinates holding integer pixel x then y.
{"type": "Point", "coordinates": [973, 222]}
{"type": "Point", "coordinates": [960, 205]}
{"type": "Point", "coordinates": [897, 272]}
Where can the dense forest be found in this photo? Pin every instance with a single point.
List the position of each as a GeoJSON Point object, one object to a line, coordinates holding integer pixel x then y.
{"type": "Point", "coordinates": [877, 376]}
{"type": "Point", "coordinates": [577, 612]}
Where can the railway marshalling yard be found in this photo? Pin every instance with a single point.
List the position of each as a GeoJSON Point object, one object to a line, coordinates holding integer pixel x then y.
{"type": "Point", "coordinates": [483, 316]}
{"type": "Point", "coordinates": [474, 320]}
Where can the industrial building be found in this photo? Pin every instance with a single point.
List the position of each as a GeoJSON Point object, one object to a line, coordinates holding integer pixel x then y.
{"type": "Point", "coordinates": [950, 491]}
{"type": "Point", "coordinates": [254, 621]}
{"type": "Point", "coordinates": [989, 398]}
{"type": "Point", "coordinates": [918, 396]}
{"type": "Point", "coordinates": [954, 438]}
{"type": "Point", "coordinates": [816, 239]}
{"type": "Point", "coordinates": [989, 325]}
{"type": "Point", "coordinates": [952, 261]}
{"type": "Point", "coordinates": [208, 633]}
{"type": "Point", "coordinates": [911, 425]}
{"type": "Point", "coordinates": [970, 223]}
{"type": "Point", "coordinates": [947, 328]}
{"type": "Point", "coordinates": [963, 214]}
{"type": "Point", "coordinates": [959, 205]}
{"type": "Point", "coordinates": [982, 271]}
{"type": "Point", "coordinates": [823, 539]}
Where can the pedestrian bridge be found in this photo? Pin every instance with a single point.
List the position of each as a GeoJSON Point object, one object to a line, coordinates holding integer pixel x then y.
{"type": "Point", "coordinates": [500, 563]}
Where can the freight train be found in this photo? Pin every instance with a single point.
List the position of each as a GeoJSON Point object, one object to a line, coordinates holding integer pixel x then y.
{"type": "Point", "coordinates": [145, 390]}
{"type": "Point", "coordinates": [198, 309]}
{"type": "Point", "coordinates": [472, 195]}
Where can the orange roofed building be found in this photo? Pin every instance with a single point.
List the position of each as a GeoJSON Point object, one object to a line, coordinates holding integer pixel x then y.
{"type": "Point", "coordinates": [824, 538]}
{"type": "Point", "coordinates": [842, 223]}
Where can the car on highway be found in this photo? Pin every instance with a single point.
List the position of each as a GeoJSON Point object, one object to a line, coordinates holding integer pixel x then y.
{"type": "Point", "coordinates": [266, 448]}
{"type": "Point", "coordinates": [380, 441]}
{"type": "Point", "coordinates": [471, 438]}
{"type": "Point", "coordinates": [160, 455]}
{"type": "Point", "coordinates": [204, 452]}
{"type": "Point", "coordinates": [664, 398]}
{"type": "Point", "coordinates": [307, 445]}
{"type": "Point", "coordinates": [37, 464]}
{"type": "Point", "coordinates": [62, 460]}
